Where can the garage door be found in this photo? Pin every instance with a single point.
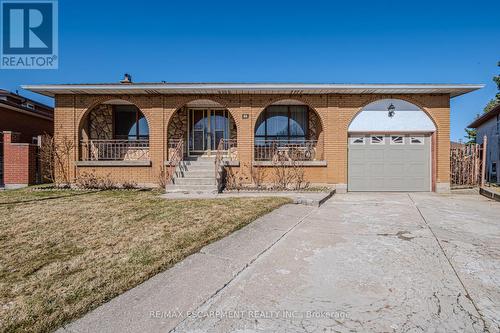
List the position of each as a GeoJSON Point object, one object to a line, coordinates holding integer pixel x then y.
{"type": "Point", "coordinates": [396, 162]}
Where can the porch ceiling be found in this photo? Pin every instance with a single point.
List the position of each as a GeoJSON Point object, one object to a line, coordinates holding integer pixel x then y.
{"type": "Point", "coordinates": [251, 88]}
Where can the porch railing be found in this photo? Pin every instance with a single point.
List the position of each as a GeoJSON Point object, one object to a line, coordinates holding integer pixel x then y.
{"type": "Point", "coordinates": [282, 150]}
{"type": "Point", "coordinates": [176, 154]}
{"type": "Point", "coordinates": [226, 149]}
{"type": "Point", "coordinates": [114, 150]}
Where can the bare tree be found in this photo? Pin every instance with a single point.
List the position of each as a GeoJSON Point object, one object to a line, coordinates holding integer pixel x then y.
{"type": "Point", "coordinates": [46, 157]}
{"type": "Point", "coordinates": [162, 177]}
{"type": "Point", "coordinates": [259, 175]}
{"type": "Point", "coordinates": [235, 180]}
{"type": "Point", "coordinates": [289, 173]}
{"type": "Point", "coordinates": [55, 158]}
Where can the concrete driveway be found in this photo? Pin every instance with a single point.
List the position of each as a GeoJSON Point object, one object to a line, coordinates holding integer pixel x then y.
{"type": "Point", "coordinates": [361, 262]}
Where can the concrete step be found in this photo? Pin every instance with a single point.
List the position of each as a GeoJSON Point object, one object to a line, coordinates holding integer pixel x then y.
{"type": "Point", "coordinates": [194, 181]}
{"type": "Point", "coordinates": [186, 171]}
{"type": "Point", "coordinates": [200, 157]}
{"type": "Point", "coordinates": [199, 164]}
{"type": "Point", "coordinates": [196, 173]}
{"type": "Point", "coordinates": [190, 188]}
{"type": "Point", "coordinates": [197, 167]}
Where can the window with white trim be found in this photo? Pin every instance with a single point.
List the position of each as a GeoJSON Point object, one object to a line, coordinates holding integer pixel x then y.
{"type": "Point", "coordinates": [377, 140]}
{"type": "Point", "coordinates": [358, 140]}
{"type": "Point", "coordinates": [397, 140]}
{"type": "Point", "coordinates": [417, 140]}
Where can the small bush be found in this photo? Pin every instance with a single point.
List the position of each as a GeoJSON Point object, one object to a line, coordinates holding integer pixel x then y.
{"type": "Point", "coordinates": [162, 177]}
{"type": "Point", "coordinates": [89, 180]}
{"type": "Point", "coordinates": [129, 185]}
{"type": "Point", "coordinates": [236, 180]}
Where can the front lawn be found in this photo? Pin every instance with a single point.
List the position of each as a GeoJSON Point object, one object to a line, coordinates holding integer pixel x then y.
{"type": "Point", "coordinates": [64, 253]}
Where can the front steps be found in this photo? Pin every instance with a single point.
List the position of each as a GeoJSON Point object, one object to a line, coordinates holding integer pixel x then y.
{"type": "Point", "coordinates": [194, 174]}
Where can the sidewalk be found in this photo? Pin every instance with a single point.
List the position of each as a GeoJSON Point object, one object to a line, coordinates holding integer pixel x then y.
{"type": "Point", "coordinates": [162, 302]}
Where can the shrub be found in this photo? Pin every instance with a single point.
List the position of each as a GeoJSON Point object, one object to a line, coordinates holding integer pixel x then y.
{"type": "Point", "coordinates": [129, 185]}
{"type": "Point", "coordinates": [89, 180]}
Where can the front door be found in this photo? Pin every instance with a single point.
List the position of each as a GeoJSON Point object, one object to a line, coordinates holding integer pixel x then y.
{"type": "Point", "coordinates": [206, 128]}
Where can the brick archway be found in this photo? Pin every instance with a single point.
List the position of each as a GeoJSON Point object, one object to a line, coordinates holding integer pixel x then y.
{"type": "Point", "coordinates": [177, 124]}
{"type": "Point", "coordinates": [315, 123]}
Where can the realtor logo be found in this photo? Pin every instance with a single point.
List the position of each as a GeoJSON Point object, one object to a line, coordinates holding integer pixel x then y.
{"type": "Point", "coordinates": [29, 34]}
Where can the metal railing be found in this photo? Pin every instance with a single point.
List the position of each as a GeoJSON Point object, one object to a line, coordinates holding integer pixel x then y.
{"type": "Point", "coordinates": [280, 150]}
{"type": "Point", "coordinates": [226, 149]}
{"type": "Point", "coordinates": [219, 155]}
{"type": "Point", "coordinates": [175, 156]}
{"type": "Point", "coordinates": [114, 150]}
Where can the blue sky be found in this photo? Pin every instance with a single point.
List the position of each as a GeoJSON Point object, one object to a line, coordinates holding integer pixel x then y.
{"type": "Point", "coordinates": [278, 41]}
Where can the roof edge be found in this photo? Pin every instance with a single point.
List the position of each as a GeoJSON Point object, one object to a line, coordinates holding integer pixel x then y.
{"type": "Point", "coordinates": [227, 88]}
{"type": "Point", "coordinates": [484, 117]}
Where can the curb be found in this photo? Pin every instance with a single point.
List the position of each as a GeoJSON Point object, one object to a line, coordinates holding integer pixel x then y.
{"type": "Point", "coordinates": [314, 202]}
{"type": "Point", "coordinates": [489, 194]}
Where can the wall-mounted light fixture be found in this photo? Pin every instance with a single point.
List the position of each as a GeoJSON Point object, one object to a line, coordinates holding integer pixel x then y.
{"type": "Point", "coordinates": [392, 110]}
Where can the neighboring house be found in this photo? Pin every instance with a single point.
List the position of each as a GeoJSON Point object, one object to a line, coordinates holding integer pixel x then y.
{"type": "Point", "coordinates": [25, 116]}
{"type": "Point", "coordinates": [358, 137]}
{"type": "Point", "coordinates": [488, 125]}
{"type": "Point", "coordinates": [22, 120]}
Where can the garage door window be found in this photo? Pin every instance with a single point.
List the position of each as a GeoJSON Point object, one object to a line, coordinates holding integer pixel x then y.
{"type": "Point", "coordinates": [397, 140]}
{"type": "Point", "coordinates": [417, 140]}
{"type": "Point", "coordinates": [360, 140]}
{"type": "Point", "coordinates": [377, 140]}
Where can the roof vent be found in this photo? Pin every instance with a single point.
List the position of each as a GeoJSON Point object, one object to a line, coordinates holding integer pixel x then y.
{"type": "Point", "coordinates": [127, 78]}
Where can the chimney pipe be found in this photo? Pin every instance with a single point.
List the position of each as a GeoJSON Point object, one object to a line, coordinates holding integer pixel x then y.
{"type": "Point", "coordinates": [127, 78]}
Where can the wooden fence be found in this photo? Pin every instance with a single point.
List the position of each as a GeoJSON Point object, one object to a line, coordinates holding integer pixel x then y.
{"type": "Point", "coordinates": [1, 159]}
{"type": "Point", "coordinates": [467, 165]}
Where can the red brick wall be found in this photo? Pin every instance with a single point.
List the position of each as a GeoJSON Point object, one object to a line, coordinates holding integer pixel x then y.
{"type": "Point", "coordinates": [19, 161]}
{"type": "Point", "coordinates": [28, 126]}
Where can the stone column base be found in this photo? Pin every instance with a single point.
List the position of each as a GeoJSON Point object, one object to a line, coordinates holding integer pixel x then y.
{"type": "Point", "coordinates": [341, 188]}
{"type": "Point", "coordinates": [442, 187]}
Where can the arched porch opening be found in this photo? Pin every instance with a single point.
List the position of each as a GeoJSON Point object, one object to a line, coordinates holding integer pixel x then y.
{"type": "Point", "coordinates": [204, 126]}
{"type": "Point", "coordinates": [288, 129]}
{"type": "Point", "coordinates": [115, 130]}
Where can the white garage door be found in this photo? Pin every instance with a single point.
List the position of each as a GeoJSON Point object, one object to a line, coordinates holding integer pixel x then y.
{"type": "Point", "coordinates": [396, 162]}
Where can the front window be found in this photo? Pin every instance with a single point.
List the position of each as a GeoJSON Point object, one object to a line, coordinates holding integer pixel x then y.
{"type": "Point", "coordinates": [282, 123]}
{"type": "Point", "coordinates": [129, 123]}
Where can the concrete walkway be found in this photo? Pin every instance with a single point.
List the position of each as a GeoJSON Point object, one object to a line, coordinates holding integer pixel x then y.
{"type": "Point", "coordinates": [360, 262]}
{"type": "Point", "coordinates": [310, 198]}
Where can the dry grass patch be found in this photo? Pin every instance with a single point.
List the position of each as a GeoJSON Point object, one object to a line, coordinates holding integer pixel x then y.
{"type": "Point", "coordinates": [61, 257]}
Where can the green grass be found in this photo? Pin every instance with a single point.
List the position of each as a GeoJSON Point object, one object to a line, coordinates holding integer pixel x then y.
{"type": "Point", "coordinates": [63, 253]}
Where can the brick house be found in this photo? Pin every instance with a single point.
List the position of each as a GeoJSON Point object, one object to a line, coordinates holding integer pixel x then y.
{"type": "Point", "coordinates": [357, 137]}
{"type": "Point", "coordinates": [25, 116]}
{"type": "Point", "coordinates": [22, 120]}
